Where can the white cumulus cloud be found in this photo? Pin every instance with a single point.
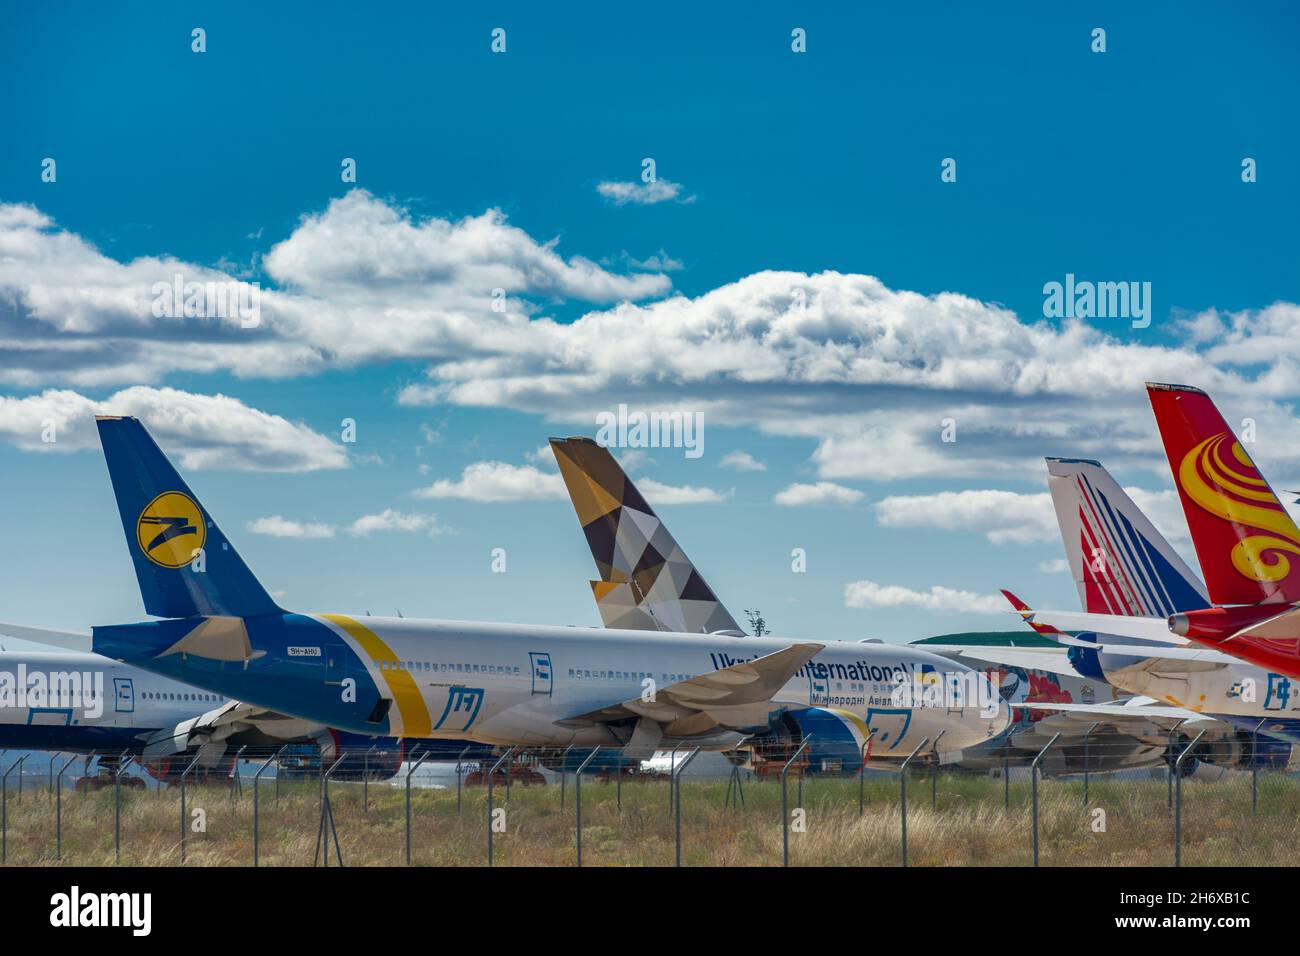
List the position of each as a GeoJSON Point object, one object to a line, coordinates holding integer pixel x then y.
{"type": "Point", "coordinates": [864, 593]}
{"type": "Point", "coordinates": [278, 527]}
{"type": "Point", "coordinates": [865, 374]}
{"type": "Point", "coordinates": [498, 481]}
{"type": "Point", "coordinates": [740, 460]}
{"type": "Point", "coordinates": [197, 431]}
{"type": "Point", "coordinates": [818, 493]}
{"type": "Point", "coordinates": [1010, 517]}
{"type": "Point", "coordinates": [392, 520]}
{"type": "Point", "coordinates": [1003, 516]}
{"type": "Point", "coordinates": [642, 194]}
{"type": "Point", "coordinates": [658, 493]}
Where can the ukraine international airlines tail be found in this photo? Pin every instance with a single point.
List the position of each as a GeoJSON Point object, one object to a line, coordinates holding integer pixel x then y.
{"type": "Point", "coordinates": [501, 684]}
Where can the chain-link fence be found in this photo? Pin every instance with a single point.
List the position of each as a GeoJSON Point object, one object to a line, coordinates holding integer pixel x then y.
{"type": "Point", "coordinates": [534, 808]}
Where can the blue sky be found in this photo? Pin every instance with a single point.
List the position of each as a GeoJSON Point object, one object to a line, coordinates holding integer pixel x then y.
{"type": "Point", "coordinates": [793, 172]}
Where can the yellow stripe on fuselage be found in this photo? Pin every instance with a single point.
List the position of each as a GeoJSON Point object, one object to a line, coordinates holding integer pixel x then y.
{"type": "Point", "coordinates": [416, 721]}
{"type": "Point", "coordinates": [854, 719]}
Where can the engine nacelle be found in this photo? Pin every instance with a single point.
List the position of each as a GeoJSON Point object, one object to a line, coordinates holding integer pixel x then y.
{"type": "Point", "coordinates": [836, 747]}
{"type": "Point", "coordinates": [1240, 751]}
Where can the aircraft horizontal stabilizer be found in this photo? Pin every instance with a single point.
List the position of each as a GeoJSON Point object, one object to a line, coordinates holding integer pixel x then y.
{"type": "Point", "coordinates": [1143, 628]}
{"type": "Point", "coordinates": [1186, 659]}
{"type": "Point", "coordinates": [66, 640]}
{"type": "Point", "coordinates": [739, 687]}
{"type": "Point", "coordinates": [1284, 626]}
{"type": "Point", "coordinates": [1047, 659]}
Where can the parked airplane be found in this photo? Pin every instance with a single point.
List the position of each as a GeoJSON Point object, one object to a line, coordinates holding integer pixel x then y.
{"type": "Point", "coordinates": [76, 703]}
{"type": "Point", "coordinates": [499, 684]}
{"type": "Point", "coordinates": [1122, 564]}
{"type": "Point", "coordinates": [648, 583]}
{"type": "Point", "coordinates": [1246, 542]}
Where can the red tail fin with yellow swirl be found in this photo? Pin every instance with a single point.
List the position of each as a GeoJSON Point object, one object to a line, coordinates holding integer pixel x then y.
{"type": "Point", "coordinates": [1248, 546]}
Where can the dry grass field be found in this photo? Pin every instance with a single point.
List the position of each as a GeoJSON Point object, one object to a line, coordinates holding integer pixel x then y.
{"type": "Point", "coordinates": [969, 827]}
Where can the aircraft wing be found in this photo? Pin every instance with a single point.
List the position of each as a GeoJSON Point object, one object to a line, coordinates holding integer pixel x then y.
{"type": "Point", "coordinates": [1053, 662]}
{"type": "Point", "coordinates": [1154, 629]}
{"type": "Point", "coordinates": [66, 640]}
{"type": "Point", "coordinates": [1120, 713]}
{"type": "Point", "coordinates": [209, 732]}
{"type": "Point", "coordinates": [738, 695]}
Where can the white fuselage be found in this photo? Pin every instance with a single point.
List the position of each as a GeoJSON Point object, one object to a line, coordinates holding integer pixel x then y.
{"type": "Point", "coordinates": [525, 684]}
{"type": "Point", "coordinates": [1237, 689]}
{"type": "Point", "coordinates": [80, 692]}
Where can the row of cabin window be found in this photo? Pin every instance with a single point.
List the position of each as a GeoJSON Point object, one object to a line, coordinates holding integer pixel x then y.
{"type": "Point", "coordinates": [156, 695]}
{"type": "Point", "coordinates": [435, 667]}
{"type": "Point", "coordinates": [579, 674]}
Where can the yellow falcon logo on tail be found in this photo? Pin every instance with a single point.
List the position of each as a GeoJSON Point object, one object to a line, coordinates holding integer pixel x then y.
{"type": "Point", "coordinates": [171, 529]}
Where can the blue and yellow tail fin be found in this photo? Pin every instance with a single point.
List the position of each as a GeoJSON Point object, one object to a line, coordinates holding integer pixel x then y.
{"type": "Point", "coordinates": [183, 562]}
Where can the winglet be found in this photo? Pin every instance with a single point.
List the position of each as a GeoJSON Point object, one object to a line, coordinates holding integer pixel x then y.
{"type": "Point", "coordinates": [1027, 615]}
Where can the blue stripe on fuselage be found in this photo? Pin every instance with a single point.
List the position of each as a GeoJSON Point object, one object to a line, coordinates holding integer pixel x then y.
{"type": "Point", "coordinates": [73, 739]}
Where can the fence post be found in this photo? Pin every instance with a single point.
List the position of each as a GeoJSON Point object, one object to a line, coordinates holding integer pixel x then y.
{"type": "Point", "coordinates": [257, 779]}
{"type": "Point", "coordinates": [672, 770]}
{"type": "Point", "coordinates": [58, 811]}
{"type": "Point", "coordinates": [414, 767]}
{"type": "Point", "coordinates": [459, 761]}
{"type": "Point", "coordinates": [1178, 799]}
{"type": "Point", "coordinates": [862, 772]}
{"type": "Point", "coordinates": [1006, 773]}
{"type": "Point", "coordinates": [577, 796]}
{"type": "Point", "coordinates": [785, 812]}
{"type": "Point", "coordinates": [327, 828]}
{"type": "Point", "coordinates": [564, 775]}
{"type": "Point", "coordinates": [122, 768]}
{"type": "Point", "coordinates": [1085, 760]}
{"type": "Point", "coordinates": [1169, 764]}
{"type": "Point", "coordinates": [1254, 770]}
{"type": "Point", "coordinates": [4, 806]}
{"type": "Point", "coordinates": [491, 775]}
{"type": "Point", "coordinates": [236, 781]}
{"type": "Point", "coordinates": [185, 823]}
{"type": "Point", "coordinates": [365, 779]}
{"type": "Point", "coordinates": [1033, 784]}
{"type": "Point", "coordinates": [902, 791]}
{"type": "Point", "coordinates": [934, 772]}
{"type": "Point", "coordinates": [677, 801]}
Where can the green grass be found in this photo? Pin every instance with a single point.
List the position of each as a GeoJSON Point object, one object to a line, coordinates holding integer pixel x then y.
{"type": "Point", "coordinates": [970, 825]}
